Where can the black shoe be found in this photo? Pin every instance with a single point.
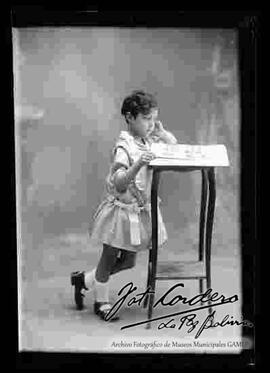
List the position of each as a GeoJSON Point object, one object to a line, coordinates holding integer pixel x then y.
{"type": "Point", "coordinates": [77, 280]}
{"type": "Point", "coordinates": [102, 313]}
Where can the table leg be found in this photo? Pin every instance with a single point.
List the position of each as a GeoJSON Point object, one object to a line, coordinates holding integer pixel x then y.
{"type": "Point", "coordinates": [154, 250]}
{"type": "Point", "coordinates": [209, 225]}
{"type": "Point", "coordinates": [149, 269]}
{"type": "Point", "coordinates": [202, 222]}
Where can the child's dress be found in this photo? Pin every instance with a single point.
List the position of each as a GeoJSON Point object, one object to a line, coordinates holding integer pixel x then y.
{"type": "Point", "coordinates": [123, 220]}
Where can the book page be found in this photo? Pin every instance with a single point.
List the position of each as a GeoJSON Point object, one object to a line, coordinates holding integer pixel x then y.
{"type": "Point", "coordinates": [193, 155]}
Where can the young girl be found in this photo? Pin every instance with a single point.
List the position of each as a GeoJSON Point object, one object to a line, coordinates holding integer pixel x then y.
{"type": "Point", "coordinates": [122, 223]}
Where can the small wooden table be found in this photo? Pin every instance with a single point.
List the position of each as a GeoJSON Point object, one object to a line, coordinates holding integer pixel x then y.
{"type": "Point", "coordinates": [197, 270]}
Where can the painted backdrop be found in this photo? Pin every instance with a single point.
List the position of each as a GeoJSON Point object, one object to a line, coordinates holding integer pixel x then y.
{"type": "Point", "coordinates": [69, 86]}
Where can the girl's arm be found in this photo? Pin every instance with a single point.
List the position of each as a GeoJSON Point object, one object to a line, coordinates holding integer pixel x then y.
{"type": "Point", "coordinates": [123, 177]}
{"type": "Point", "coordinates": [163, 134]}
{"type": "Point", "coordinates": [168, 137]}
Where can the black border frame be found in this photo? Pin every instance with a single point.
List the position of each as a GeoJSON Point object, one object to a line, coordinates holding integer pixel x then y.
{"type": "Point", "coordinates": [247, 24]}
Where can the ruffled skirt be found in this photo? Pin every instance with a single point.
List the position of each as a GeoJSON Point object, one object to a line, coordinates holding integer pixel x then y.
{"type": "Point", "coordinates": [125, 226]}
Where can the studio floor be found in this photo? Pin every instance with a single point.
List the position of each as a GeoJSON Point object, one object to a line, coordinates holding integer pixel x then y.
{"type": "Point", "coordinates": [49, 321]}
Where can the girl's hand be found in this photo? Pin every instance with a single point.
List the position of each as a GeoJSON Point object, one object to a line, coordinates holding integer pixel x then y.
{"type": "Point", "coordinates": [146, 158]}
{"type": "Point", "coordinates": [162, 134]}
{"type": "Point", "coordinates": [158, 127]}
{"type": "Point", "coordinates": [158, 130]}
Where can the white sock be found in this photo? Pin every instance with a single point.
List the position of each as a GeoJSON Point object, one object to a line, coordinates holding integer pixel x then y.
{"type": "Point", "coordinates": [89, 278]}
{"type": "Point", "coordinates": [102, 291]}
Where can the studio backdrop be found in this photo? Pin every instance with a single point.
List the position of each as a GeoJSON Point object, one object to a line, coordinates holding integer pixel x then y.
{"type": "Point", "coordinates": [69, 85]}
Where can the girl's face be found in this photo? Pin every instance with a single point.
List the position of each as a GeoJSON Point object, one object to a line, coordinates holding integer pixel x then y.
{"type": "Point", "coordinates": [143, 124]}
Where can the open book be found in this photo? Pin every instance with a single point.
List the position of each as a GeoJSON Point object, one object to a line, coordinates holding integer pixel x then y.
{"type": "Point", "coordinates": [190, 155]}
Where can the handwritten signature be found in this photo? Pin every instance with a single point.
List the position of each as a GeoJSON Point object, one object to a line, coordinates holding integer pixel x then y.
{"type": "Point", "coordinates": [213, 299]}
{"type": "Point", "coordinates": [191, 322]}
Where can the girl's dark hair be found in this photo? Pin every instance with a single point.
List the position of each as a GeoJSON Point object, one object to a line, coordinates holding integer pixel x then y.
{"type": "Point", "coordinates": [138, 102]}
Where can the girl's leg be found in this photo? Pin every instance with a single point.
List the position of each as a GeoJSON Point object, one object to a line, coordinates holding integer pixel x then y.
{"type": "Point", "coordinates": [106, 263]}
{"type": "Point", "coordinates": [97, 278]}
{"type": "Point", "coordinates": [102, 275]}
{"type": "Point", "coordinates": [126, 260]}
{"type": "Point", "coordinates": [109, 258]}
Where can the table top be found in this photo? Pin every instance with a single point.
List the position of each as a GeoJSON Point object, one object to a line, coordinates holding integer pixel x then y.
{"type": "Point", "coordinates": [178, 165]}
{"type": "Point", "coordinates": [177, 168]}
{"type": "Point", "coordinates": [189, 157]}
